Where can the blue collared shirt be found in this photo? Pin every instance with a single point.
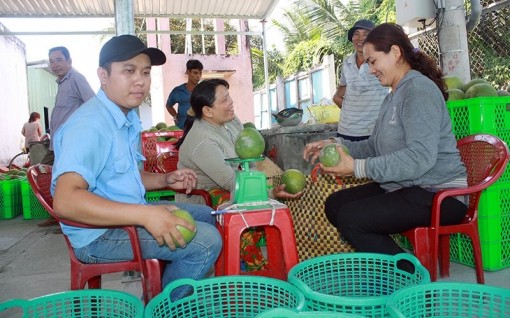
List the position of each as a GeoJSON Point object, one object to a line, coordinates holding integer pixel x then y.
{"type": "Point", "coordinates": [180, 95]}
{"type": "Point", "coordinates": [101, 144]}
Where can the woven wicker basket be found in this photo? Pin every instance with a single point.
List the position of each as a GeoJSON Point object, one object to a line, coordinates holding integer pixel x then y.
{"type": "Point", "coordinates": [315, 236]}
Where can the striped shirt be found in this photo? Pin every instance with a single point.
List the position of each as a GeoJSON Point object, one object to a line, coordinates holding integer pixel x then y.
{"type": "Point", "coordinates": [362, 100]}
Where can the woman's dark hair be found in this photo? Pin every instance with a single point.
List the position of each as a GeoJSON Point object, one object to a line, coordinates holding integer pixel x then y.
{"type": "Point", "coordinates": [204, 94]}
{"type": "Point", "coordinates": [385, 35]}
{"type": "Point", "coordinates": [33, 117]}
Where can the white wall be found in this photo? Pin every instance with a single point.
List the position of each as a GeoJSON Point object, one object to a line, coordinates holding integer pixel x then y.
{"type": "Point", "coordinates": [13, 95]}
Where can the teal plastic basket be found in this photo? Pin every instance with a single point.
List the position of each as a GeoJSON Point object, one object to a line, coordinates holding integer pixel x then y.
{"type": "Point", "coordinates": [450, 300]}
{"type": "Point", "coordinates": [288, 313]}
{"type": "Point", "coordinates": [86, 303]}
{"type": "Point", "coordinates": [355, 283]}
{"type": "Point", "coordinates": [226, 297]}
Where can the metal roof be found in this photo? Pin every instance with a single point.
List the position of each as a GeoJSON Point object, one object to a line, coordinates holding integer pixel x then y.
{"type": "Point", "coordinates": [226, 9]}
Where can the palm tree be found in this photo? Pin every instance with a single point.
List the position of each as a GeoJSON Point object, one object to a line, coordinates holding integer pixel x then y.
{"type": "Point", "coordinates": [314, 28]}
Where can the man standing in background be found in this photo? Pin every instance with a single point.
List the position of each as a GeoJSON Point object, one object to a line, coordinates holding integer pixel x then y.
{"type": "Point", "coordinates": [180, 94]}
{"type": "Point", "coordinates": [359, 93]}
{"type": "Point", "coordinates": [73, 91]}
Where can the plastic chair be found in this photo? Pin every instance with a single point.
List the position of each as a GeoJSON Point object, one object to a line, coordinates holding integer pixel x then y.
{"type": "Point", "coordinates": [39, 177]}
{"type": "Point", "coordinates": [485, 157]}
{"type": "Point", "coordinates": [167, 162]}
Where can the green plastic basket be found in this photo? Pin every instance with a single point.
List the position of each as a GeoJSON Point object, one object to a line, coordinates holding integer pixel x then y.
{"type": "Point", "coordinates": [159, 195]}
{"type": "Point", "coordinates": [482, 115]}
{"type": "Point", "coordinates": [86, 303]}
{"type": "Point", "coordinates": [226, 297]}
{"type": "Point", "coordinates": [32, 208]}
{"type": "Point", "coordinates": [288, 313]}
{"type": "Point", "coordinates": [356, 283]}
{"type": "Point", "coordinates": [450, 300]}
{"type": "Point", "coordinates": [10, 198]}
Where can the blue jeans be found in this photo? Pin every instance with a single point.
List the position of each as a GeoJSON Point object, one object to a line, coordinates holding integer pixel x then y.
{"type": "Point", "coordinates": [193, 261]}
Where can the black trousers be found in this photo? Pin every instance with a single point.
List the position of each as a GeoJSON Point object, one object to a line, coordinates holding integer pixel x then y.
{"type": "Point", "coordinates": [352, 138]}
{"type": "Point", "coordinates": [366, 215]}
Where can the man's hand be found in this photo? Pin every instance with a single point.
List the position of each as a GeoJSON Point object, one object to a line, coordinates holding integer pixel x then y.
{"type": "Point", "coordinates": [161, 223]}
{"type": "Point", "coordinates": [338, 98]}
{"type": "Point", "coordinates": [182, 179]}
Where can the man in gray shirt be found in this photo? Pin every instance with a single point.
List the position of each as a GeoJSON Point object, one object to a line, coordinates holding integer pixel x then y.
{"type": "Point", "coordinates": [73, 91]}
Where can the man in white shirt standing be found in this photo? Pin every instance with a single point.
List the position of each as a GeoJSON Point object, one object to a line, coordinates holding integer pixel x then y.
{"type": "Point", "coordinates": [359, 93]}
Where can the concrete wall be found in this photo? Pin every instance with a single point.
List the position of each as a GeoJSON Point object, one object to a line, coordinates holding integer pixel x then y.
{"type": "Point", "coordinates": [14, 110]}
{"type": "Point", "coordinates": [42, 91]}
{"type": "Point", "coordinates": [320, 83]}
{"type": "Point", "coordinates": [172, 73]}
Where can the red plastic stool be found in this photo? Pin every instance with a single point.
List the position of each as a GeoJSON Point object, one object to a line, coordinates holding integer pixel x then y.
{"type": "Point", "coordinates": [280, 241]}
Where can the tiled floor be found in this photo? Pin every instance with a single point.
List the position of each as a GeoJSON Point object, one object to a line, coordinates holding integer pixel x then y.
{"type": "Point", "coordinates": [34, 262]}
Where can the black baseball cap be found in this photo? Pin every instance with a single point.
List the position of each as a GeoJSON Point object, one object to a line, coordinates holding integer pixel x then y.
{"type": "Point", "coordinates": [360, 24]}
{"type": "Point", "coordinates": [124, 47]}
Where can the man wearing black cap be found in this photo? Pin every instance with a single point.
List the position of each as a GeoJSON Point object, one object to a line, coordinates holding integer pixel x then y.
{"type": "Point", "coordinates": [96, 179]}
{"type": "Point", "coordinates": [359, 94]}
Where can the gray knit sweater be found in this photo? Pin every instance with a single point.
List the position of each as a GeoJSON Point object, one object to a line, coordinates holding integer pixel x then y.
{"type": "Point", "coordinates": [204, 151]}
{"type": "Point", "coordinates": [412, 142]}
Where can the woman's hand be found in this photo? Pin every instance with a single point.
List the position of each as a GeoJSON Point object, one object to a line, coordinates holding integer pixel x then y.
{"type": "Point", "coordinates": [344, 168]}
{"type": "Point", "coordinates": [280, 193]}
{"type": "Point", "coordinates": [182, 179]}
{"type": "Point", "coordinates": [313, 149]}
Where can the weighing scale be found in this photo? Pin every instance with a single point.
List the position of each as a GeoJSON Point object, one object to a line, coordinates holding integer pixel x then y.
{"type": "Point", "coordinates": [250, 185]}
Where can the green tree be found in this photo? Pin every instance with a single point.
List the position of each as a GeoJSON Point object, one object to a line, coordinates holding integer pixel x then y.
{"type": "Point", "coordinates": [178, 40]}
{"type": "Point", "coordinates": [275, 62]}
{"type": "Point", "coordinates": [315, 28]}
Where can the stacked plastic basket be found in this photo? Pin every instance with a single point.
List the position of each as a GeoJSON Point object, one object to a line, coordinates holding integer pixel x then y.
{"type": "Point", "coordinates": [355, 283]}
{"type": "Point", "coordinates": [450, 300]}
{"type": "Point", "coordinates": [77, 303]}
{"type": "Point", "coordinates": [16, 197]}
{"type": "Point", "coordinates": [485, 115]}
{"type": "Point", "coordinates": [288, 313]}
{"type": "Point", "coordinates": [226, 296]}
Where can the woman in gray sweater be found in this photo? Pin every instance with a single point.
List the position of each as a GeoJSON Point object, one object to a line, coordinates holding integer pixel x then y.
{"type": "Point", "coordinates": [209, 136]}
{"type": "Point", "coordinates": [411, 154]}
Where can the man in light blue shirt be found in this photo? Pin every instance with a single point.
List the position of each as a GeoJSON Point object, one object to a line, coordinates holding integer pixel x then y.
{"type": "Point", "coordinates": [96, 179]}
